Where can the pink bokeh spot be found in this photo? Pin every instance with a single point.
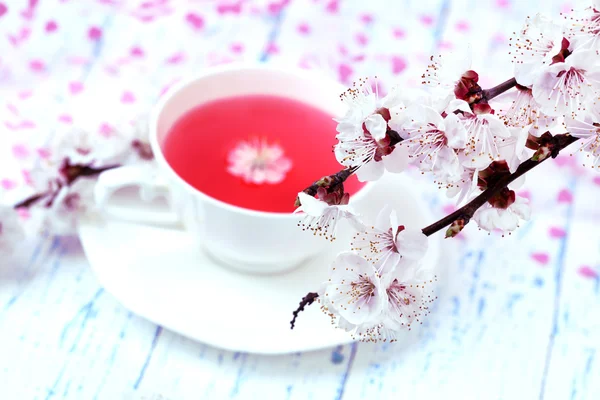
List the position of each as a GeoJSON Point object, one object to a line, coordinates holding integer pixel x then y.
{"type": "Point", "coordinates": [366, 18]}
{"type": "Point", "coordinates": [75, 87]}
{"type": "Point", "coordinates": [27, 14]}
{"type": "Point", "coordinates": [304, 28]}
{"type": "Point", "coordinates": [231, 7]}
{"type": "Point", "coordinates": [399, 33]}
{"type": "Point", "coordinates": [426, 20]}
{"type": "Point", "coordinates": [499, 38]}
{"type": "Point", "coordinates": [541, 258]}
{"type": "Point", "coordinates": [65, 119]}
{"type": "Point", "coordinates": [23, 35]}
{"type": "Point", "coordinates": [463, 26]}
{"type": "Point", "coordinates": [20, 151]}
{"type": "Point", "coordinates": [105, 129]}
{"type": "Point", "coordinates": [398, 64]}
{"type": "Point", "coordinates": [343, 50]}
{"type": "Point", "coordinates": [503, 3]}
{"type": "Point", "coordinates": [51, 26]}
{"type": "Point", "coordinates": [3, 9]}
{"type": "Point", "coordinates": [176, 58]}
{"type": "Point", "coordinates": [588, 272]}
{"type": "Point", "coordinates": [564, 161]}
{"type": "Point", "coordinates": [556, 232]}
{"type": "Point", "coordinates": [237, 48]}
{"type": "Point", "coordinates": [596, 180]}
{"type": "Point", "coordinates": [44, 153]}
{"type": "Point", "coordinates": [127, 97]}
{"type": "Point", "coordinates": [362, 39]}
{"type": "Point", "coordinates": [37, 65]}
{"type": "Point", "coordinates": [94, 33]}
{"type": "Point", "coordinates": [449, 208]}
{"type": "Point", "coordinates": [168, 86]}
{"type": "Point", "coordinates": [136, 52]}
{"type": "Point", "coordinates": [77, 60]}
{"type": "Point", "coordinates": [277, 6]}
{"type": "Point", "coordinates": [333, 6]}
{"type": "Point", "coordinates": [195, 20]}
{"type": "Point", "coordinates": [8, 184]}
{"type": "Point", "coordinates": [28, 124]}
{"type": "Point", "coordinates": [526, 194]}
{"type": "Point", "coordinates": [24, 213]}
{"type": "Point", "coordinates": [112, 69]}
{"type": "Point", "coordinates": [25, 94]}
{"type": "Point", "coordinates": [25, 124]}
{"type": "Point", "coordinates": [27, 177]}
{"type": "Point", "coordinates": [272, 48]}
{"type": "Point", "coordinates": [446, 45]}
{"type": "Point", "coordinates": [345, 72]}
{"type": "Point", "coordinates": [12, 108]}
{"type": "Point", "coordinates": [565, 196]}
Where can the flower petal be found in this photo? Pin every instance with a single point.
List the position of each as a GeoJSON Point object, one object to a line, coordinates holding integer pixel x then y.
{"type": "Point", "coordinates": [455, 131]}
{"type": "Point", "coordinates": [310, 205]}
{"type": "Point", "coordinates": [354, 288]}
{"type": "Point", "coordinates": [412, 244]}
{"type": "Point", "coordinates": [370, 171]}
{"type": "Point", "coordinates": [458, 105]}
{"type": "Point", "coordinates": [376, 126]}
{"type": "Point", "coordinates": [382, 221]}
{"type": "Point", "coordinates": [397, 160]}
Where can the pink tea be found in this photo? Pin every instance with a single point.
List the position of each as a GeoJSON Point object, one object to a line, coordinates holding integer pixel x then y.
{"type": "Point", "coordinates": [255, 152]}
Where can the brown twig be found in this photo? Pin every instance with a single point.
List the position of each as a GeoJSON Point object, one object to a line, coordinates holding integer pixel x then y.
{"type": "Point", "coordinates": [72, 172]}
{"type": "Point", "coordinates": [31, 200]}
{"type": "Point", "coordinates": [306, 301]}
{"type": "Point", "coordinates": [489, 94]}
{"type": "Point", "coordinates": [332, 180]}
{"type": "Point", "coordinates": [466, 212]}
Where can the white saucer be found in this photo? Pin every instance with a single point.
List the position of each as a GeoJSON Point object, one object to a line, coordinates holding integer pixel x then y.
{"type": "Point", "coordinates": [160, 275]}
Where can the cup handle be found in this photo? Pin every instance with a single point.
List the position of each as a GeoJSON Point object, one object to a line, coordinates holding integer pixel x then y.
{"type": "Point", "coordinates": [151, 185]}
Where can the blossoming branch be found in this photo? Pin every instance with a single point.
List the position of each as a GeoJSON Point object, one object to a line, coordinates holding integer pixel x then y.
{"type": "Point", "coordinates": [62, 183]}
{"type": "Point", "coordinates": [476, 144]}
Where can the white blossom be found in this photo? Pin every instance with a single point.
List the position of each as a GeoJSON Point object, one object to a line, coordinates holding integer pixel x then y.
{"type": "Point", "coordinates": [535, 46]}
{"type": "Point", "coordinates": [375, 306]}
{"type": "Point", "coordinates": [61, 205]}
{"type": "Point", "coordinates": [568, 88]}
{"type": "Point", "coordinates": [432, 140]}
{"type": "Point", "coordinates": [444, 72]}
{"type": "Point", "coordinates": [584, 27]}
{"type": "Point", "coordinates": [588, 131]}
{"type": "Point", "coordinates": [490, 218]}
{"type": "Point", "coordinates": [409, 297]}
{"type": "Point", "coordinates": [322, 218]}
{"type": "Point", "coordinates": [353, 290]}
{"type": "Point", "coordinates": [387, 243]}
{"type": "Point", "coordinates": [485, 133]}
{"type": "Point", "coordinates": [362, 134]}
{"type": "Point", "coordinates": [84, 148]}
{"type": "Point", "coordinates": [513, 149]}
{"type": "Point", "coordinates": [519, 109]}
{"type": "Point", "coordinates": [464, 187]}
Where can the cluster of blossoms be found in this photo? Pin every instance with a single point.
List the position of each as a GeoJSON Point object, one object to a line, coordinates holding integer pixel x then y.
{"type": "Point", "coordinates": [472, 142]}
{"type": "Point", "coordinates": [61, 185]}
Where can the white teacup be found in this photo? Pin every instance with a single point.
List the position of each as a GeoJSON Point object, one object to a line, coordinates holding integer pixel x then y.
{"type": "Point", "coordinates": [245, 239]}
